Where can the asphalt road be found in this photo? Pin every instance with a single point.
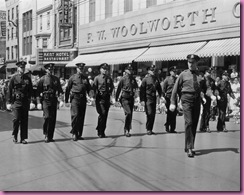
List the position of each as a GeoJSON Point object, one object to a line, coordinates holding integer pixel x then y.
{"type": "Point", "coordinates": [116, 163]}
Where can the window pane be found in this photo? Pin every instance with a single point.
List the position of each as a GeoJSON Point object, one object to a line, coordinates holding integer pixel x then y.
{"type": "Point", "coordinates": [108, 8]}
{"type": "Point", "coordinates": [128, 5]}
{"type": "Point", "coordinates": [92, 10]}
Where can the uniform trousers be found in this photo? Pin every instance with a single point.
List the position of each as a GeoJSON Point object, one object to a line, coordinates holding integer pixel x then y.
{"type": "Point", "coordinates": [127, 104]}
{"type": "Point", "coordinates": [191, 106]}
{"type": "Point", "coordinates": [171, 116]}
{"type": "Point", "coordinates": [222, 105]}
{"type": "Point", "coordinates": [50, 115]}
{"type": "Point", "coordinates": [20, 119]}
{"type": "Point", "coordinates": [205, 117]}
{"type": "Point", "coordinates": [102, 106]}
{"type": "Point", "coordinates": [77, 110]}
{"type": "Point", "coordinates": [150, 109]}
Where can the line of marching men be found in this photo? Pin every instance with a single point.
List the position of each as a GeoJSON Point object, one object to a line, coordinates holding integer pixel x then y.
{"type": "Point", "coordinates": [189, 88]}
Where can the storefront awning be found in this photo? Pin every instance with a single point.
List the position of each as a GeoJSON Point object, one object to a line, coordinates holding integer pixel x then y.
{"type": "Point", "coordinates": [225, 47]}
{"type": "Point", "coordinates": [170, 52]}
{"type": "Point", "coordinates": [115, 57]}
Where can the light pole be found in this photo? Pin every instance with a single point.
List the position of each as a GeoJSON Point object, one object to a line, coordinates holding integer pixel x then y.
{"type": "Point", "coordinates": [16, 25]}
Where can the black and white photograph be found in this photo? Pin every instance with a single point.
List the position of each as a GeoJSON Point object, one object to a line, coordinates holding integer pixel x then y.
{"type": "Point", "coordinates": [120, 96]}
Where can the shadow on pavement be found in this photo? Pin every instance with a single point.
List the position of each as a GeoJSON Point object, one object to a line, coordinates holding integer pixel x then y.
{"type": "Point", "coordinates": [214, 150]}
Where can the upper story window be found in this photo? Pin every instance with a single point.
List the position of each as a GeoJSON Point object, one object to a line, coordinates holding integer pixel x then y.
{"type": "Point", "coordinates": [12, 13]}
{"type": "Point", "coordinates": [92, 10]}
{"type": "Point", "coordinates": [8, 15]}
{"type": "Point", "coordinates": [128, 5]}
{"type": "Point", "coordinates": [48, 20]}
{"type": "Point", "coordinates": [151, 3]}
{"type": "Point", "coordinates": [44, 43]}
{"type": "Point", "coordinates": [27, 21]}
{"type": "Point", "coordinates": [12, 33]}
{"type": "Point", "coordinates": [108, 8]}
{"type": "Point", "coordinates": [17, 11]}
{"type": "Point", "coordinates": [40, 27]}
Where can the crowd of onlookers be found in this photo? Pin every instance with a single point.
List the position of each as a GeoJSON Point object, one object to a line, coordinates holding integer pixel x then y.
{"type": "Point", "coordinates": [233, 105]}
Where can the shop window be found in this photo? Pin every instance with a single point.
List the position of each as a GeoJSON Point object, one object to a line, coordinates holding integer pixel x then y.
{"type": "Point", "coordinates": [92, 10]}
{"type": "Point", "coordinates": [108, 8]}
{"type": "Point", "coordinates": [151, 3]}
{"type": "Point", "coordinates": [128, 5]}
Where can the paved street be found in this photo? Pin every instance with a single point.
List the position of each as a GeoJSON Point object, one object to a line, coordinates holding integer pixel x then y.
{"type": "Point", "coordinates": [117, 163]}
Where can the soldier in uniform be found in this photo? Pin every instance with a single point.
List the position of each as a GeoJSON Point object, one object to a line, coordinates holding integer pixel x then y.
{"type": "Point", "coordinates": [149, 87]}
{"type": "Point", "coordinates": [48, 91]}
{"type": "Point", "coordinates": [125, 94]}
{"type": "Point", "coordinates": [103, 86]}
{"type": "Point", "coordinates": [77, 89]}
{"type": "Point", "coordinates": [224, 88]}
{"type": "Point", "coordinates": [188, 86]}
{"type": "Point", "coordinates": [18, 99]}
{"type": "Point", "coordinates": [208, 93]}
{"type": "Point", "coordinates": [167, 89]}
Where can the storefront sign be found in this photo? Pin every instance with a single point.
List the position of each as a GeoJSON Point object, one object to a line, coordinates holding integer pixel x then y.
{"type": "Point", "coordinates": [65, 15]}
{"type": "Point", "coordinates": [54, 56]}
{"type": "Point", "coordinates": [164, 22]}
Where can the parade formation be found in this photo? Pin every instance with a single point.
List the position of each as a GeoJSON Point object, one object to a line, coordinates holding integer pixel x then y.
{"type": "Point", "coordinates": [186, 91]}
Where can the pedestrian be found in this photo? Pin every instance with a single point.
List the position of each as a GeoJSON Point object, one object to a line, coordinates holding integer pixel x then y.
{"type": "Point", "coordinates": [224, 89]}
{"type": "Point", "coordinates": [150, 85]}
{"type": "Point", "coordinates": [103, 87]}
{"type": "Point", "coordinates": [188, 87]}
{"type": "Point", "coordinates": [167, 88]}
{"type": "Point", "coordinates": [209, 89]}
{"type": "Point", "coordinates": [48, 91]}
{"type": "Point", "coordinates": [125, 95]}
{"type": "Point", "coordinates": [18, 99]}
{"type": "Point", "coordinates": [77, 89]}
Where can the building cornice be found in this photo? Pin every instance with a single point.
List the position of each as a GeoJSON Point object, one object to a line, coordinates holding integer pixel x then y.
{"type": "Point", "coordinates": [43, 35]}
{"type": "Point", "coordinates": [45, 9]}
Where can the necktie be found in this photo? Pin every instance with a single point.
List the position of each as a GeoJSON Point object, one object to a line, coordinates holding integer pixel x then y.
{"type": "Point", "coordinates": [195, 83]}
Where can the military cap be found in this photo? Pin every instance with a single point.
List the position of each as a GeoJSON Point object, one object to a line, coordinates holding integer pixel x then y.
{"type": "Point", "coordinates": [46, 66]}
{"type": "Point", "coordinates": [129, 67]}
{"type": "Point", "coordinates": [172, 68]}
{"type": "Point", "coordinates": [104, 66]}
{"type": "Point", "coordinates": [21, 64]}
{"type": "Point", "coordinates": [225, 73]}
{"type": "Point", "coordinates": [152, 67]}
{"type": "Point", "coordinates": [191, 57]}
{"type": "Point", "coordinates": [80, 64]}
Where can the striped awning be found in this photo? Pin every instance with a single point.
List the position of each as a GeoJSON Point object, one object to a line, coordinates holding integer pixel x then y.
{"type": "Point", "coordinates": [115, 57]}
{"type": "Point", "coordinates": [170, 52]}
{"type": "Point", "coordinates": [224, 47]}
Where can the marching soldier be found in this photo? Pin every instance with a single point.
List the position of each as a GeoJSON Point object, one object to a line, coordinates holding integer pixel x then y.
{"type": "Point", "coordinates": [149, 87]}
{"type": "Point", "coordinates": [208, 94]}
{"type": "Point", "coordinates": [48, 91]}
{"type": "Point", "coordinates": [18, 99]}
{"type": "Point", "coordinates": [188, 86]}
{"type": "Point", "coordinates": [224, 88]}
{"type": "Point", "coordinates": [77, 88]}
{"type": "Point", "coordinates": [125, 94]}
{"type": "Point", "coordinates": [103, 86]}
{"type": "Point", "coordinates": [167, 89]}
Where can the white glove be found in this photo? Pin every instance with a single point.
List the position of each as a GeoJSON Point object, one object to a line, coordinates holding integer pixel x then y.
{"type": "Point", "coordinates": [32, 106]}
{"type": "Point", "coordinates": [61, 104]}
{"type": "Point", "coordinates": [172, 107]}
{"type": "Point", "coordinates": [9, 106]}
{"type": "Point", "coordinates": [218, 97]}
{"type": "Point", "coordinates": [39, 106]}
{"type": "Point", "coordinates": [213, 97]}
{"type": "Point", "coordinates": [67, 104]}
{"type": "Point", "coordinates": [142, 103]}
{"type": "Point", "coordinates": [204, 100]}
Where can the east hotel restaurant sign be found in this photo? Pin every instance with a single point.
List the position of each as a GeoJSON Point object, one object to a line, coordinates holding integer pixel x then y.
{"type": "Point", "coordinates": [54, 56]}
{"type": "Point", "coordinates": [167, 21]}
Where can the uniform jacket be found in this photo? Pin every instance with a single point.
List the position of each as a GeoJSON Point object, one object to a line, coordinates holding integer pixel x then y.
{"type": "Point", "coordinates": [127, 86]}
{"type": "Point", "coordinates": [168, 86]}
{"type": "Point", "coordinates": [20, 86]}
{"type": "Point", "coordinates": [149, 86]}
{"type": "Point", "coordinates": [78, 84]}
{"type": "Point", "coordinates": [103, 84]}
